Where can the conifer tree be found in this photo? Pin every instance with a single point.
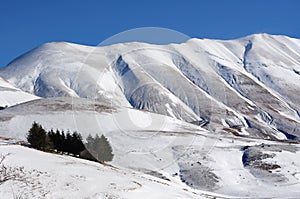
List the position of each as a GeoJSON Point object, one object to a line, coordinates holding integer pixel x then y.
{"type": "Point", "coordinates": [90, 141]}
{"type": "Point", "coordinates": [100, 148]}
{"type": "Point", "coordinates": [37, 136]}
{"type": "Point", "coordinates": [67, 144]}
{"type": "Point", "coordinates": [104, 150]}
{"type": "Point", "coordinates": [62, 141]}
{"type": "Point", "coordinates": [76, 145]}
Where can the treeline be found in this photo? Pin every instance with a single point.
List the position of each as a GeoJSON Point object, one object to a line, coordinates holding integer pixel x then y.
{"type": "Point", "coordinates": [70, 143]}
{"type": "Point", "coordinates": [97, 149]}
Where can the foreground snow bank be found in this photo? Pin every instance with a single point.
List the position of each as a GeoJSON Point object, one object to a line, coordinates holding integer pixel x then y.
{"type": "Point", "coordinates": [44, 175]}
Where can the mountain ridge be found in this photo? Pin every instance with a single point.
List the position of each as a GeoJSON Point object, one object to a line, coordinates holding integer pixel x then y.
{"type": "Point", "coordinates": [232, 83]}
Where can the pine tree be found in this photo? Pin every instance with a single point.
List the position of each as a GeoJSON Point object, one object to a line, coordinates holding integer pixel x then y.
{"type": "Point", "coordinates": [76, 145]}
{"type": "Point", "coordinates": [37, 137]}
{"type": "Point", "coordinates": [51, 136]}
{"type": "Point", "coordinates": [90, 141]}
{"type": "Point", "coordinates": [62, 141]}
{"type": "Point", "coordinates": [106, 154]}
{"type": "Point", "coordinates": [99, 148]}
{"type": "Point", "coordinates": [90, 146]}
{"type": "Point", "coordinates": [103, 149]}
{"type": "Point", "coordinates": [67, 144]}
{"type": "Point", "coordinates": [48, 143]}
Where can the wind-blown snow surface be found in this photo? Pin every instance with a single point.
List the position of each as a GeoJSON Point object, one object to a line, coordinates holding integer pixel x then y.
{"type": "Point", "coordinates": [242, 92]}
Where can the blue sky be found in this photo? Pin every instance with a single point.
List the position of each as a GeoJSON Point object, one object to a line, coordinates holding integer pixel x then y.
{"type": "Point", "coordinates": [27, 24]}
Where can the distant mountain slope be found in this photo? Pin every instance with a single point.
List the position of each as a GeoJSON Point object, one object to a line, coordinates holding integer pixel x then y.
{"type": "Point", "coordinates": [247, 86]}
{"type": "Point", "coordinates": [10, 95]}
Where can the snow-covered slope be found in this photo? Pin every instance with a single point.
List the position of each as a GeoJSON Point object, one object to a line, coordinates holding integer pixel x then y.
{"type": "Point", "coordinates": [247, 86]}
{"type": "Point", "coordinates": [164, 147]}
{"type": "Point", "coordinates": [10, 95]}
{"type": "Point", "coordinates": [66, 177]}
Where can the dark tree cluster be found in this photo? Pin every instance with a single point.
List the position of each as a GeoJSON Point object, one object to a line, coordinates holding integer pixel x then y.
{"type": "Point", "coordinates": [70, 143]}
{"type": "Point", "coordinates": [96, 148]}
{"type": "Point", "coordinates": [40, 139]}
{"type": "Point", "coordinates": [37, 137]}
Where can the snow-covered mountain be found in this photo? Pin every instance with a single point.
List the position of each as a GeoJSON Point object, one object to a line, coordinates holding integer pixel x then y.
{"type": "Point", "coordinates": [219, 116]}
{"type": "Point", "coordinates": [248, 85]}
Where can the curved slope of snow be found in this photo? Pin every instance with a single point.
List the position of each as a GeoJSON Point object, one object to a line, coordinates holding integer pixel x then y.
{"type": "Point", "coordinates": [10, 95]}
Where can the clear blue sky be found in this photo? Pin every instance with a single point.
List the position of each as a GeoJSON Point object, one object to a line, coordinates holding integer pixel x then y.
{"type": "Point", "coordinates": [27, 24]}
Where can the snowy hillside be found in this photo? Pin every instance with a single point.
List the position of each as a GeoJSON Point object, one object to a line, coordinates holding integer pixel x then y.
{"type": "Point", "coordinates": [10, 95]}
{"type": "Point", "coordinates": [184, 120]}
{"type": "Point", "coordinates": [66, 177]}
{"type": "Point", "coordinates": [168, 148]}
